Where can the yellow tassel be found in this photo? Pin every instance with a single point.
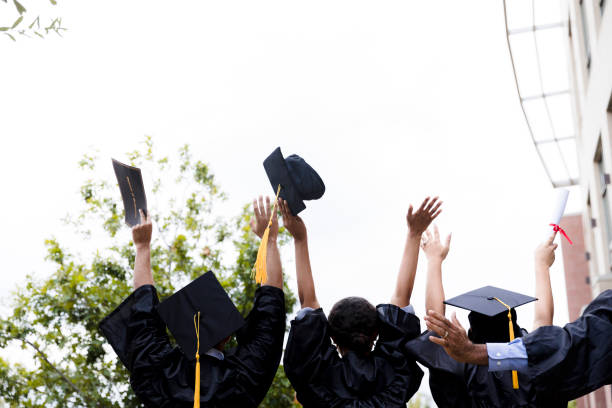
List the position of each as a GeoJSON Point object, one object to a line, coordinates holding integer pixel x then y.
{"type": "Point", "coordinates": [196, 394]}
{"type": "Point", "coordinates": [260, 270]}
{"type": "Point", "coordinates": [515, 383]}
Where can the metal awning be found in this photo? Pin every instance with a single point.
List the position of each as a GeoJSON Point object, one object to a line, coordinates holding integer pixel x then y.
{"type": "Point", "coordinates": [537, 36]}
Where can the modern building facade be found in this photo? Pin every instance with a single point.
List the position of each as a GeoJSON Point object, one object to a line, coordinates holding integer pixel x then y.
{"type": "Point", "coordinates": [589, 48]}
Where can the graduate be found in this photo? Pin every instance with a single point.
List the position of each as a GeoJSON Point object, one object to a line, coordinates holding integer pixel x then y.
{"type": "Point", "coordinates": [562, 363]}
{"type": "Point", "coordinates": [492, 319]}
{"type": "Point", "coordinates": [202, 318]}
{"type": "Point", "coordinates": [330, 360]}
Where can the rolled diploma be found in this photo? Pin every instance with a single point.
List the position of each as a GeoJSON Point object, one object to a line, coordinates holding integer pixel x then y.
{"type": "Point", "coordinates": [558, 211]}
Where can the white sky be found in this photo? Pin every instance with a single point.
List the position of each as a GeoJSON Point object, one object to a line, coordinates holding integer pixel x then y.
{"type": "Point", "coordinates": [389, 101]}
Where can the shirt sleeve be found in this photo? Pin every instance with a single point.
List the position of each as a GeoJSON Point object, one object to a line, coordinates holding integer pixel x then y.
{"type": "Point", "coordinates": [507, 356]}
{"type": "Point", "coordinates": [303, 312]}
{"type": "Point", "coordinates": [409, 309]}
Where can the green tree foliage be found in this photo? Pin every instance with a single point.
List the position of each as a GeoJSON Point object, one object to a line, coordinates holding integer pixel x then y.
{"type": "Point", "coordinates": [24, 23]}
{"type": "Point", "coordinates": [55, 320]}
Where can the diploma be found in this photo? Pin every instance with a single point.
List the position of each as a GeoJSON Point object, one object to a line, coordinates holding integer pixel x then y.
{"type": "Point", "coordinates": [558, 210]}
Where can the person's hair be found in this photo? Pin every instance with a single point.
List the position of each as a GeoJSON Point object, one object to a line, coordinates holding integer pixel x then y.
{"type": "Point", "coordinates": [492, 329]}
{"type": "Point", "coordinates": [353, 324]}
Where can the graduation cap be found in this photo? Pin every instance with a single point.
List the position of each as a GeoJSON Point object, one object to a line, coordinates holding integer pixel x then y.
{"type": "Point", "coordinates": [219, 317]}
{"type": "Point", "coordinates": [132, 191]}
{"type": "Point", "coordinates": [491, 301]}
{"type": "Point", "coordinates": [297, 179]}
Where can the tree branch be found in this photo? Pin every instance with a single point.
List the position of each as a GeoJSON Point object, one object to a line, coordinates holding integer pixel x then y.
{"type": "Point", "coordinates": [43, 356]}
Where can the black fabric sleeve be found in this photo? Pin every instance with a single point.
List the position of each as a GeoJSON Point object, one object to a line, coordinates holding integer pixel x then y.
{"type": "Point", "coordinates": [395, 328]}
{"type": "Point", "coordinates": [576, 359]}
{"type": "Point", "coordinates": [308, 346]}
{"type": "Point", "coordinates": [257, 356]}
{"type": "Point", "coordinates": [446, 376]}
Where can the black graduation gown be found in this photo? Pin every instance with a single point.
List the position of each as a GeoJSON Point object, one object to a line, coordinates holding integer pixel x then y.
{"type": "Point", "coordinates": [162, 376]}
{"type": "Point", "coordinates": [383, 379]}
{"type": "Point", "coordinates": [455, 384]}
{"type": "Point", "coordinates": [576, 359]}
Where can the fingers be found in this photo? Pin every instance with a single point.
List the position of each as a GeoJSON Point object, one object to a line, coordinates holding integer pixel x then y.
{"type": "Point", "coordinates": [435, 205]}
{"type": "Point", "coordinates": [437, 340]}
{"type": "Point", "coordinates": [448, 240]}
{"type": "Point", "coordinates": [456, 321]}
{"type": "Point", "coordinates": [433, 217]}
{"type": "Point", "coordinates": [555, 247]}
{"type": "Point", "coordinates": [423, 205]}
{"type": "Point", "coordinates": [261, 207]}
{"type": "Point", "coordinates": [268, 208]}
{"type": "Point", "coordinates": [436, 232]}
{"type": "Point", "coordinates": [439, 320]}
{"type": "Point", "coordinates": [143, 219]}
{"type": "Point", "coordinates": [410, 211]}
{"type": "Point", "coordinates": [428, 233]}
{"type": "Point", "coordinates": [439, 330]}
{"type": "Point", "coordinates": [550, 239]}
{"type": "Point", "coordinates": [256, 208]}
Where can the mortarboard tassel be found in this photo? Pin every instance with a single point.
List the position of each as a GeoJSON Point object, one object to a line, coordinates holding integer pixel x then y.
{"type": "Point", "coordinates": [260, 271]}
{"type": "Point", "coordinates": [515, 384]}
{"type": "Point", "coordinates": [196, 394]}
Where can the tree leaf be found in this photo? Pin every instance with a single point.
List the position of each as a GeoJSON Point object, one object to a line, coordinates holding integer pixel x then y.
{"type": "Point", "coordinates": [53, 2]}
{"type": "Point", "coordinates": [19, 7]}
{"type": "Point", "coordinates": [12, 38]}
{"type": "Point", "coordinates": [4, 28]}
{"type": "Point", "coordinates": [16, 23]}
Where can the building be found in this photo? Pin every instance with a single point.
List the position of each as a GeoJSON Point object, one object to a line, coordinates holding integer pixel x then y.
{"type": "Point", "coordinates": [589, 49]}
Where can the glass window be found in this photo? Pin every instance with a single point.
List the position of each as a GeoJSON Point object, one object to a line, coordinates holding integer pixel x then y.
{"type": "Point", "coordinates": [604, 180]}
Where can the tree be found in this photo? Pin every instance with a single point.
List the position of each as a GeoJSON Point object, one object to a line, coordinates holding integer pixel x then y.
{"type": "Point", "coordinates": [55, 320]}
{"type": "Point", "coordinates": [30, 27]}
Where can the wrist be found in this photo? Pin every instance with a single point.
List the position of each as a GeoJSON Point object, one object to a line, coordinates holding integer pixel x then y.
{"type": "Point", "coordinates": [143, 246]}
{"type": "Point", "coordinates": [414, 234]}
{"type": "Point", "coordinates": [435, 260]}
{"type": "Point", "coordinates": [300, 240]}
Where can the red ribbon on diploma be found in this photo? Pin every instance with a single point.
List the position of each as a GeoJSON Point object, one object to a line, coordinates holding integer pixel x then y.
{"type": "Point", "coordinates": [557, 228]}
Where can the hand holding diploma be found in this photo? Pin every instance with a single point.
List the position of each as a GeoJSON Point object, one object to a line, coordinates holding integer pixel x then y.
{"type": "Point", "coordinates": [558, 211]}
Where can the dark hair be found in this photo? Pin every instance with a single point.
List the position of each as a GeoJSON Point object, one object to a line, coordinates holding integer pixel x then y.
{"type": "Point", "coordinates": [353, 324]}
{"type": "Point", "coordinates": [492, 329]}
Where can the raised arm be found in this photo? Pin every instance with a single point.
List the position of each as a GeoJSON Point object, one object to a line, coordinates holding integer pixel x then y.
{"type": "Point", "coordinates": [141, 234]}
{"type": "Point", "coordinates": [305, 283]}
{"type": "Point", "coordinates": [417, 223]}
{"type": "Point", "coordinates": [544, 306]}
{"type": "Point", "coordinates": [258, 225]}
{"type": "Point", "coordinates": [436, 253]}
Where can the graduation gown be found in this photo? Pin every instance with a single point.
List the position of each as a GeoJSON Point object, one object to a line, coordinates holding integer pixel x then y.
{"type": "Point", "coordinates": [162, 376]}
{"type": "Point", "coordinates": [455, 384]}
{"type": "Point", "coordinates": [576, 359]}
{"type": "Point", "coordinates": [385, 378]}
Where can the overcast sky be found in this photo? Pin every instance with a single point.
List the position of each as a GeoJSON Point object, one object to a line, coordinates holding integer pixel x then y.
{"type": "Point", "coordinates": [389, 101]}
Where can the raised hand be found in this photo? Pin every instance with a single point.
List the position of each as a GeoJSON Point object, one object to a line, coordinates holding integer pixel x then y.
{"type": "Point", "coordinates": [433, 248]}
{"type": "Point", "coordinates": [545, 252]}
{"type": "Point", "coordinates": [294, 224]}
{"type": "Point", "coordinates": [262, 217]}
{"type": "Point", "coordinates": [141, 233]}
{"type": "Point", "coordinates": [453, 338]}
{"type": "Point", "coordinates": [419, 220]}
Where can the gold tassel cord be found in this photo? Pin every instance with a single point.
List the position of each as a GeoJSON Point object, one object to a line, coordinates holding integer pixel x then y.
{"type": "Point", "coordinates": [515, 384]}
{"type": "Point", "coordinates": [260, 269]}
{"type": "Point", "coordinates": [196, 394]}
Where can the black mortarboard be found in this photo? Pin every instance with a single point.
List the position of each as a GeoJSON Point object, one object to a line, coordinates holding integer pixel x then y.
{"type": "Point", "coordinates": [297, 179]}
{"type": "Point", "coordinates": [484, 301]}
{"type": "Point", "coordinates": [219, 317]}
{"type": "Point", "coordinates": [132, 191]}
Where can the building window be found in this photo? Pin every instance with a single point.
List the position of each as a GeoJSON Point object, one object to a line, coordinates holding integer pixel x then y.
{"type": "Point", "coordinates": [585, 34]}
{"type": "Point", "coordinates": [604, 180]}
